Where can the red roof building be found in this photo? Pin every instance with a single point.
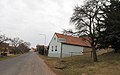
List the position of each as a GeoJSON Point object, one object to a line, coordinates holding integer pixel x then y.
{"type": "Point", "coordinates": [74, 40]}
{"type": "Point", "coordinates": [65, 45]}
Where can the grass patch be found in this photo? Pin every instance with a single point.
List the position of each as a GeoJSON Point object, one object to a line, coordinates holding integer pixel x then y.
{"type": "Point", "coordinates": [7, 57]}
{"type": "Point", "coordinates": [108, 64]}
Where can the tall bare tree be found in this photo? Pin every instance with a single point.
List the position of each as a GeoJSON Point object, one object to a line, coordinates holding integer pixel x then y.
{"type": "Point", "coordinates": [87, 21]}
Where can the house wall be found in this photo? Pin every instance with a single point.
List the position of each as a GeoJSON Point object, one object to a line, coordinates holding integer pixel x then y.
{"type": "Point", "coordinates": [71, 50]}
{"type": "Point", "coordinates": [54, 43]}
{"type": "Point", "coordinates": [67, 50]}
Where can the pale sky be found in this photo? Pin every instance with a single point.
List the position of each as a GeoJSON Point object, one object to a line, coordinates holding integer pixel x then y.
{"type": "Point", "coordinates": [27, 19]}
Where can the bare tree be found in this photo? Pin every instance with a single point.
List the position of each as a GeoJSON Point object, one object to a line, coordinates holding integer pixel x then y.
{"type": "Point", "coordinates": [3, 38]}
{"type": "Point", "coordinates": [87, 21]}
{"type": "Point", "coordinates": [24, 47]}
{"type": "Point", "coordinates": [15, 42]}
{"type": "Point", "coordinates": [27, 44]}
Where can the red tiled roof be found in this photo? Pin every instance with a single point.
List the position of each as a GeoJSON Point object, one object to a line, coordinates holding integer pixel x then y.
{"type": "Point", "coordinates": [73, 40]}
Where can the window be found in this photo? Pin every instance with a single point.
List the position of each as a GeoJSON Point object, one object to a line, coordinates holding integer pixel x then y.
{"type": "Point", "coordinates": [55, 48]}
{"type": "Point", "coordinates": [54, 38]}
{"type": "Point", "coordinates": [52, 48]}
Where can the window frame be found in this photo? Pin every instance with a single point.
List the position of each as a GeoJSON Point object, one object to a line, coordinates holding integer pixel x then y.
{"type": "Point", "coordinates": [55, 48]}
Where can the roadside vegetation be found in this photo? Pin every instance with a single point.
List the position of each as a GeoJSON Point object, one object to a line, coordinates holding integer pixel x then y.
{"type": "Point", "coordinates": [7, 57]}
{"type": "Point", "coordinates": [108, 64]}
{"type": "Point", "coordinates": [10, 47]}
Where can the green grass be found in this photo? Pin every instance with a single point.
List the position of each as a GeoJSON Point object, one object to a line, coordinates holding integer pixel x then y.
{"type": "Point", "coordinates": [108, 64]}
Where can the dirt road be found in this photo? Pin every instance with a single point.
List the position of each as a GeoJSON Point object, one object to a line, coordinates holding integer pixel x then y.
{"type": "Point", "coordinates": [26, 64]}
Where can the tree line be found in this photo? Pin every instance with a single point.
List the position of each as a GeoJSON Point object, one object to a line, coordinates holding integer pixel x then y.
{"type": "Point", "coordinates": [13, 45]}
{"type": "Point", "coordinates": [97, 21]}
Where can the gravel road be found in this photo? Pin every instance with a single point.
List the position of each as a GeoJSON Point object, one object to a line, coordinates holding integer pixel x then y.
{"type": "Point", "coordinates": [26, 64]}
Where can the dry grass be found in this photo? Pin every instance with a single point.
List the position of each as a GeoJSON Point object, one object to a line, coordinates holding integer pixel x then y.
{"type": "Point", "coordinates": [108, 64]}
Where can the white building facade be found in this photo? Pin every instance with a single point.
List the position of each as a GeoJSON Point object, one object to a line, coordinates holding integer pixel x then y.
{"type": "Point", "coordinates": [64, 46]}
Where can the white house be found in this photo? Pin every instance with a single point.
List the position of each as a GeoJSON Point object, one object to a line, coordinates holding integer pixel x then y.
{"type": "Point", "coordinates": [65, 45]}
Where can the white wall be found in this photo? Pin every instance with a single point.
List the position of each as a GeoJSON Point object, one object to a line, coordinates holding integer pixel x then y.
{"type": "Point", "coordinates": [71, 50]}
{"type": "Point", "coordinates": [66, 49]}
{"type": "Point", "coordinates": [54, 43]}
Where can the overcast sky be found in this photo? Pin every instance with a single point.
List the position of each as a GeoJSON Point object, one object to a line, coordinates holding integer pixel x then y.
{"type": "Point", "coordinates": [27, 19]}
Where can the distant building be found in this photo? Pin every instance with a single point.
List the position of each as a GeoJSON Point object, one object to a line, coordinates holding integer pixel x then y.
{"type": "Point", "coordinates": [42, 49]}
{"type": "Point", "coordinates": [65, 45]}
{"type": "Point", "coordinates": [5, 48]}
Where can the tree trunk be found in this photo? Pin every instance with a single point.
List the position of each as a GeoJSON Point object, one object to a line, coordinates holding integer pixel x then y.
{"type": "Point", "coordinates": [94, 54]}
